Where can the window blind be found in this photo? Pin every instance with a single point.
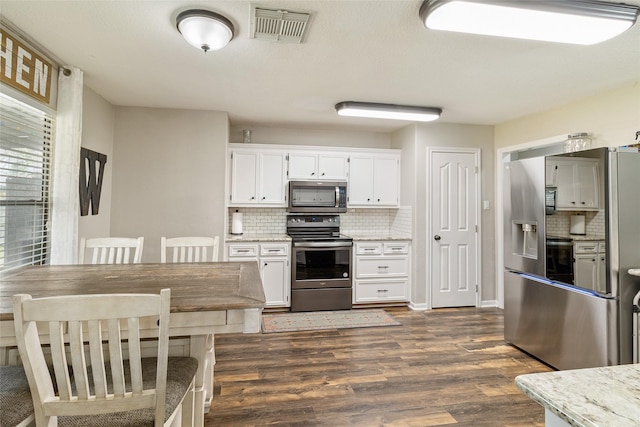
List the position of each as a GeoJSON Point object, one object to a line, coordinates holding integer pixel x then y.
{"type": "Point", "coordinates": [25, 165]}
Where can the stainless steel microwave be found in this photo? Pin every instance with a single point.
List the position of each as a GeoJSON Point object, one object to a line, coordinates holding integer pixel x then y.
{"type": "Point", "coordinates": [318, 196]}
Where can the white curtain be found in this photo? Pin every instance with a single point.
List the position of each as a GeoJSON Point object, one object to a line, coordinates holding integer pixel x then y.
{"type": "Point", "coordinates": [65, 205]}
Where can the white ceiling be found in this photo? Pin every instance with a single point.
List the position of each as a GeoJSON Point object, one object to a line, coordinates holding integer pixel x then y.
{"type": "Point", "coordinates": [354, 50]}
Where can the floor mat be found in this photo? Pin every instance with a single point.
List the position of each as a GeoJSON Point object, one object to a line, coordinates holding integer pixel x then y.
{"type": "Point", "coordinates": [319, 320]}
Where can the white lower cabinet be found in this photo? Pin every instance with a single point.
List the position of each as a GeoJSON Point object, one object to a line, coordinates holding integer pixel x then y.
{"type": "Point", "coordinates": [273, 263]}
{"type": "Point", "coordinates": [381, 272]}
{"type": "Point", "coordinates": [590, 265]}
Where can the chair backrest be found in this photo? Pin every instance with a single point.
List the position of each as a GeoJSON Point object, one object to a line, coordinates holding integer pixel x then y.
{"type": "Point", "coordinates": [104, 321]}
{"type": "Point", "coordinates": [112, 250]}
{"type": "Point", "coordinates": [189, 249]}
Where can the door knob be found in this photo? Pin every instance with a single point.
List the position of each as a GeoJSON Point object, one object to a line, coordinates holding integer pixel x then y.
{"type": "Point", "coordinates": [436, 237]}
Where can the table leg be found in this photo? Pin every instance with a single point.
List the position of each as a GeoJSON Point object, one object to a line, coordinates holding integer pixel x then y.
{"type": "Point", "coordinates": [201, 348]}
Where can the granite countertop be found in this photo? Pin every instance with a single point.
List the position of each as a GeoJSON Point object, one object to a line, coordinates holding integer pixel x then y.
{"type": "Point", "coordinates": [594, 397]}
{"type": "Point", "coordinates": [578, 237]}
{"type": "Point", "coordinates": [257, 237]}
{"type": "Point", "coordinates": [375, 237]}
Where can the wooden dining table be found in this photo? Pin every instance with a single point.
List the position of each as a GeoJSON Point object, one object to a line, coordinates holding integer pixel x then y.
{"type": "Point", "coordinates": [206, 299]}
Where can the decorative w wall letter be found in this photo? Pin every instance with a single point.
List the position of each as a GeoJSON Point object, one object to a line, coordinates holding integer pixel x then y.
{"type": "Point", "coordinates": [91, 184]}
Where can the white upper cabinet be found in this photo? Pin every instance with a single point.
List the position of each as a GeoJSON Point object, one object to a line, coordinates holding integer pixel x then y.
{"type": "Point", "coordinates": [374, 180]}
{"type": "Point", "coordinates": [313, 165]}
{"type": "Point", "coordinates": [259, 173]}
{"type": "Point", "coordinates": [577, 181]}
{"type": "Point", "coordinates": [258, 177]}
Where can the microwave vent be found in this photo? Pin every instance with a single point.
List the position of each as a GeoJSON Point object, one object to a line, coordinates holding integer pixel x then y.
{"type": "Point", "coordinates": [278, 25]}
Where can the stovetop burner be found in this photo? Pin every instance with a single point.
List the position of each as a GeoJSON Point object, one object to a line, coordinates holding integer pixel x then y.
{"type": "Point", "coordinates": [325, 228]}
{"type": "Point", "coordinates": [320, 238]}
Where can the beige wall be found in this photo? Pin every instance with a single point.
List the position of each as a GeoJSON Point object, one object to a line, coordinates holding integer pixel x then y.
{"type": "Point", "coordinates": [414, 141]}
{"type": "Point", "coordinates": [97, 135]}
{"type": "Point", "coordinates": [612, 118]}
{"type": "Point", "coordinates": [405, 139]}
{"type": "Point", "coordinates": [169, 174]}
{"type": "Point", "coordinates": [321, 137]}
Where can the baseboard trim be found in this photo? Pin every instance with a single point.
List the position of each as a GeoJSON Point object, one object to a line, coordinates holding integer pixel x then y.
{"type": "Point", "coordinates": [418, 307]}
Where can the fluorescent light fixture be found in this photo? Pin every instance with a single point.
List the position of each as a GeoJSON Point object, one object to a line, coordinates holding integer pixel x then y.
{"type": "Point", "coordinates": [204, 29]}
{"type": "Point", "coordinates": [388, 111]}
{"type": "Point", "coordinates": [566, 21]}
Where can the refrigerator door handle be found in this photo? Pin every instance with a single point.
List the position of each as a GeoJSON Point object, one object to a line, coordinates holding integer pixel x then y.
{"type": "Point", "coordinates": [560, 285]}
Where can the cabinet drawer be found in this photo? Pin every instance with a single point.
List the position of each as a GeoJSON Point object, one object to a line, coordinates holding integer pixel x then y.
{"type": "Point", "coordinates": [279, 249]}
{"type": "Point", "coordinates": [377, 291]}
{"type": "Point", "coordinates": [395, 248]}
{"type": "Point", "coordinates": [586, 247]}
{"type": "Point", "coordinates": [238, 250]}
{"type": "Point", "coordinates": [602, 247]}
{"type": "Point", "coordinates": [368, 248]}
{"type": "Point", "coordinates": [382, 266]}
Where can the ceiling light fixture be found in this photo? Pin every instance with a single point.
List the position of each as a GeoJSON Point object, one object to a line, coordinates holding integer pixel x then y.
{"type": "Point", "coordinates": [204, 29]}
{"type": "Point", "coordinates": [388, 111]}
{"type": "Point", "coordinates": [566, 21]}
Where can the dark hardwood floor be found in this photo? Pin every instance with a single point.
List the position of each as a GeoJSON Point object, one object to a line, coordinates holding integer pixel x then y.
{"type": "Point", "coordinates": [441, 367]}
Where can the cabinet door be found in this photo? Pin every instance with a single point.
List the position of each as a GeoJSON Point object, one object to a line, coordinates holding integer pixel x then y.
{"type": "Point", "coordinates": [275, 281]}
{"type": "Point", "coordinates": [303, 165]}
{"type": "Point", "coordinates": [361, 180]}
{"type": "Point", "coordinates": [385, 181]}
{"type": "Point", "coordinates": [370, 291]}
{"type": "Point", "coordinates": [244, 167]}
{"type": "Point", "coordinates": [332, 166]}
{"type": "Point", "coordinates": [587, 184]}
{"type": "Point", "coordinates": [565, 181]}
{"type": "Point", "coordinates": [551, 174]}
{"type": "Point", "coordinates": [601, 282]}
{"type": "Point", "coordinates": [382, 266]}
{"type": "Point", "coordinates": [584, 271]}
{"type": "Point", "coordinates": [272, 178]}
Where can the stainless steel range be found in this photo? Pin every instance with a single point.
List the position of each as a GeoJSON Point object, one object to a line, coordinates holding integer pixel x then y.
{"type": "Point", "coordinates": [321, 263]}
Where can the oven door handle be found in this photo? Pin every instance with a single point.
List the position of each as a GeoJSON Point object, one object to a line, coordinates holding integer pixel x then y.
{"type": "Point", "coordinates": [561, 243]}
{"type": "Point", "coordinates": [322, 244]}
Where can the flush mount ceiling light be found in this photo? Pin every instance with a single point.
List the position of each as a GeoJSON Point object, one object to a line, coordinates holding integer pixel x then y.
{"type": "Point", "coordinates": [388, 111]}
{"type": "Point", "coordinates": [204, 29]}
{"type": "Point", "coordinates": [566, 21]}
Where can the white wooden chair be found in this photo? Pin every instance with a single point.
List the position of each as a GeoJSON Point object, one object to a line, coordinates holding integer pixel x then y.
{"type": "Point", "coordinates": [112, 250]}
{"type": "Point", "coordinates": [16, 405]}
{"type": "Point", "coordinates": [98, 386]}
{"type": "Point", "coordinates": [189, 249]}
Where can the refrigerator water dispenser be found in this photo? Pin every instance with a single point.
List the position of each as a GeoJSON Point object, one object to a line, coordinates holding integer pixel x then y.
{"type": "Point", "coordinates": [525, 239]}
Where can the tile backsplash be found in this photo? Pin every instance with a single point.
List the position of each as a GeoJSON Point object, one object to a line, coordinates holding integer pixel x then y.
{"type": "Point", "coordinates": [355, 221]}
{"type": "Point", "coordinates": [261, 220]}
{"type": "Point", "coordinates": [559, 224]}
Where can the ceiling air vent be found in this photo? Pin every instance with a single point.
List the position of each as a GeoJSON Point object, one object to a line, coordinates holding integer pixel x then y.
{"type": "Point", "coordinates": [278, 25]}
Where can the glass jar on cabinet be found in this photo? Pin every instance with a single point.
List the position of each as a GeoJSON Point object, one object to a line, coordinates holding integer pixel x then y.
{"type": "Point", "coordinates": [577, 142]}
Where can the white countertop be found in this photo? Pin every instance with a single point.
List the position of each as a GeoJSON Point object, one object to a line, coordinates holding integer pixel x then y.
{"type": "Point", "coordinates": [276, 237]}
{"type": "Point", "coordinates": [257, 237]}
{"type": "Point", "coordinates": [594, 397]}
{"type": "Point", "coordinates": [375, 237]}
{"type": "Point", "coordinates": [578, 237]}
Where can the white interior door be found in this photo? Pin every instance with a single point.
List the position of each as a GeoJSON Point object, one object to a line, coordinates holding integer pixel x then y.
{"type": "Point", "coordinates": [454, 212]}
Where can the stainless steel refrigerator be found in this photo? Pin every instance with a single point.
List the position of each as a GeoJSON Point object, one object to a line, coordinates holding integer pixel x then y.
{"type": "Point", "coordinates": [557, 321]}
